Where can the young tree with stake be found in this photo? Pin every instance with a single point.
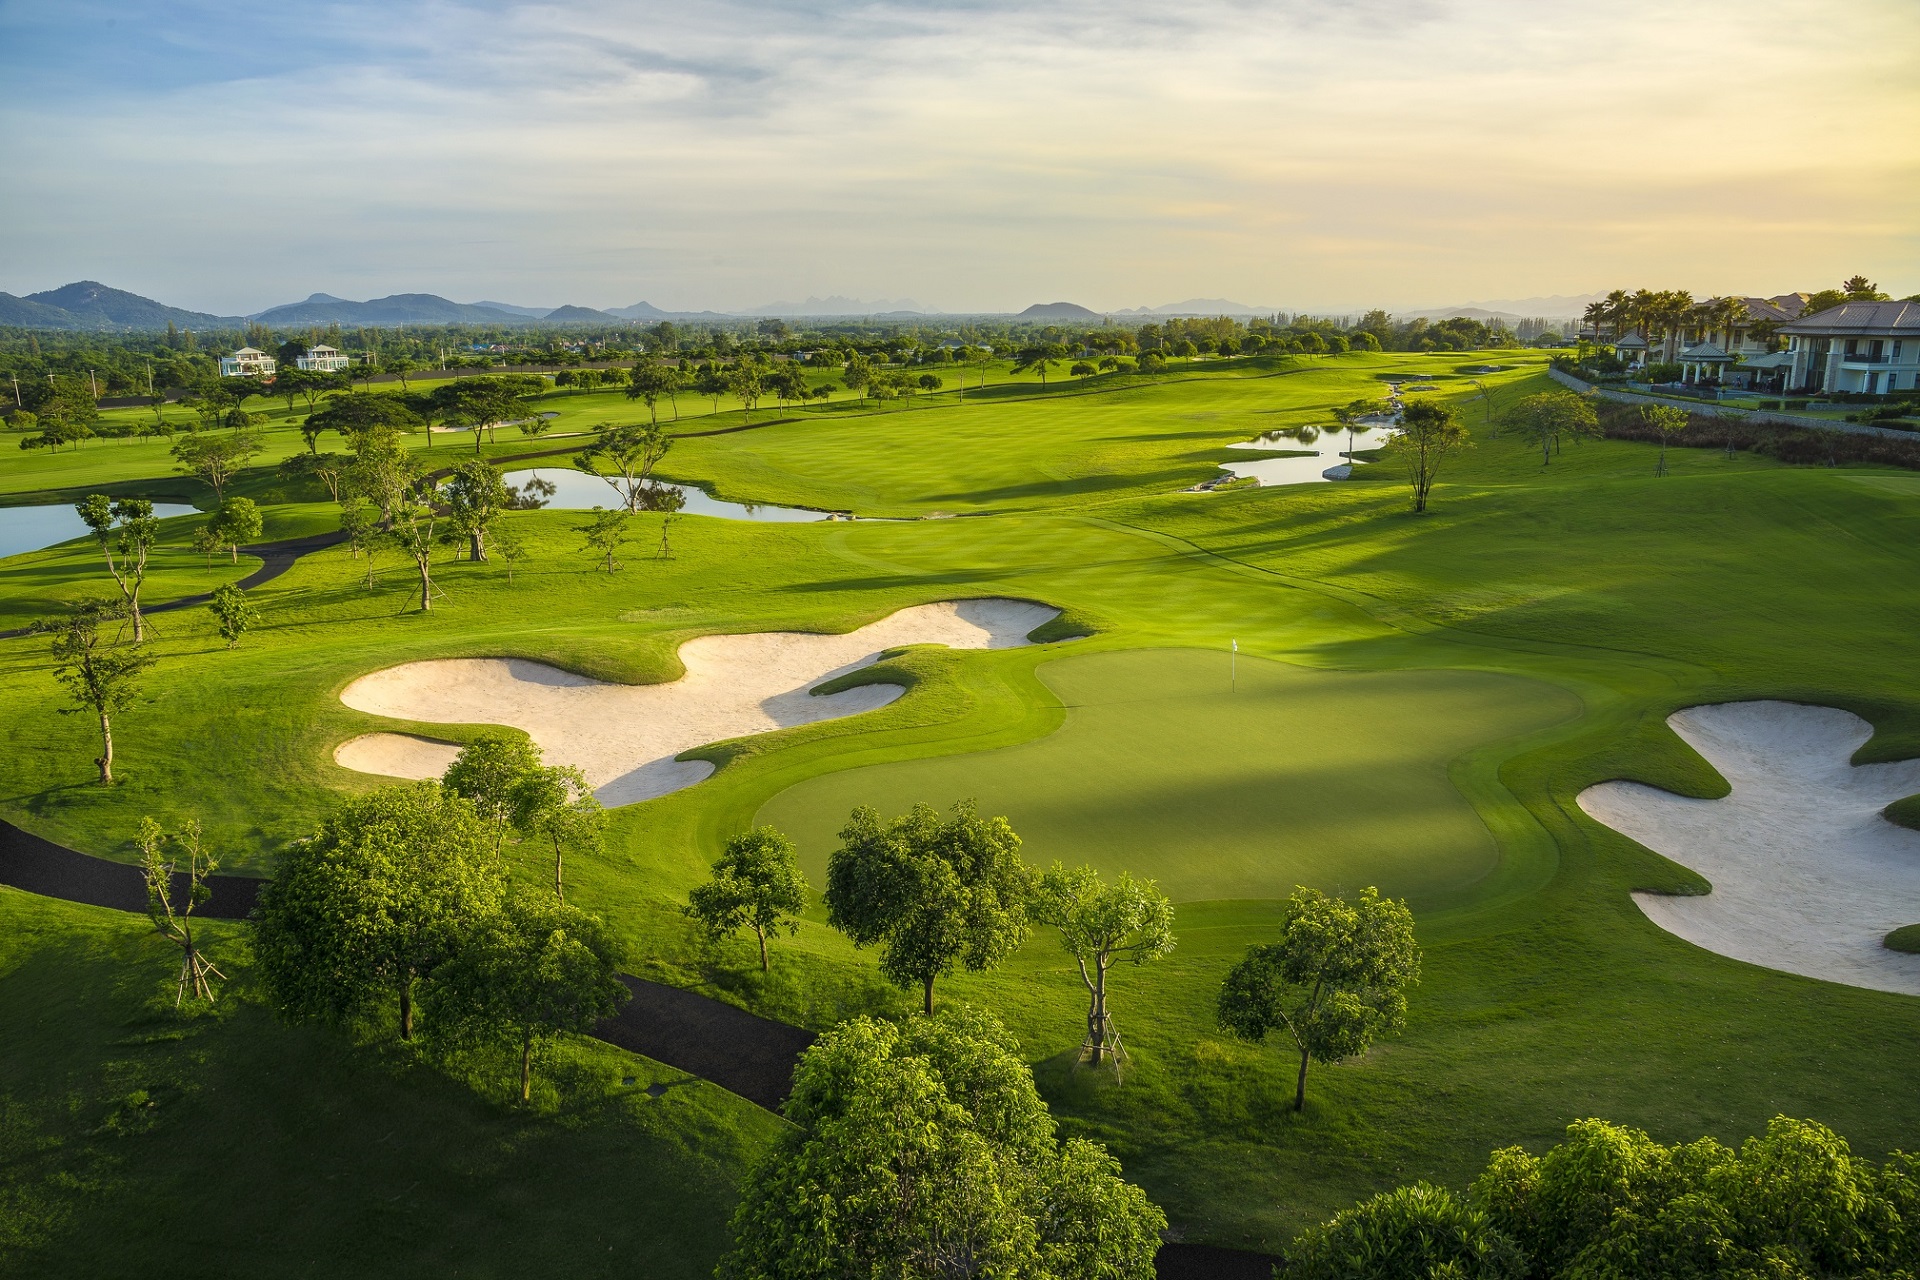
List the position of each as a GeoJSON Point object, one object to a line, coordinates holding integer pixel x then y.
{"type": "Point", "coordinates": [172, 921]}
{"type": "Point", "coordinates": [605, 534]}
{"type": "Point", "coordinates": [1100, 924]}
{"type": "Point", "coordinates": [1669, 421]}
{"type": "Point", "coordinates": [932, 893]}
{"type": "Point", "coordinates": [625, 458]}
{"type": "Point", "coordinates": [126, 525]}
{"type": "Point", "coordinates": [235, 524]}
{"type": "Point", "coordinates": [757, 884]}
{"type": "Point", "coordinates": [1334, 982]}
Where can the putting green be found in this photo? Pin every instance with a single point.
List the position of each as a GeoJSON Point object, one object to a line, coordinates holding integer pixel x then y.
{"type": "Point", "coordinates": [1336, 780]}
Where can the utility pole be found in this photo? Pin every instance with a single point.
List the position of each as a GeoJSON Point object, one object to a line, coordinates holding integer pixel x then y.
{"type": "Point", "coordinates": [93, 385]}
{"type": "Point", "coordinates": [18, 403]}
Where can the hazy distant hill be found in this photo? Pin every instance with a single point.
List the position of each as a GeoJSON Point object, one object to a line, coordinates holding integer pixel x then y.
{"type": "Point", "coordinates": [579, 315]}
{"type": "Point", "coordinates": [840, 306]}
{"type": "Point", "coordinates": [88, 304]}
{"type": "Point", "coordinates": [532, 313]}
{"type": "Point", "coordinates": [1057, 311]}
{"type": "Point", "coordinates": [399, 308]}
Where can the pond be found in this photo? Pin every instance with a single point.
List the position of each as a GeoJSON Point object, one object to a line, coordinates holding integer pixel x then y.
{"type": "Point", "coordinates": [564, 489]}
{"type": "Point", "coordinates": [1329, 445]}
{"type": "Point", "coordinates": [24, 529]}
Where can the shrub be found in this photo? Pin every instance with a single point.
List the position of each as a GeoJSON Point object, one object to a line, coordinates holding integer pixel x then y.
{"type": "Point", "coordinates": [1421, 1230]}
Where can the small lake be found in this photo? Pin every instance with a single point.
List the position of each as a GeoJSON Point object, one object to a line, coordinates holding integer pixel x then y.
{"type": "Point", "coordinates": [24, 529]}
{"type": "Point", "coordinates": [577, 491]}
{"type": "Point", "coordinates": [1329, 445]}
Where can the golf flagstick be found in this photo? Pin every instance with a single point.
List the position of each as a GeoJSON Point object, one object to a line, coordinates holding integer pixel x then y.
{"type": "Point", "coordinates": [1233, 668]}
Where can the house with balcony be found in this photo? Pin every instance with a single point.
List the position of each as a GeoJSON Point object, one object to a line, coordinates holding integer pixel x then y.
{"type": "Point", "coordinates": [247, 362]}
{"type": "Point", "coordinates": [1871, 347]}
{"type": "Point", "coordinates": [324, 359]}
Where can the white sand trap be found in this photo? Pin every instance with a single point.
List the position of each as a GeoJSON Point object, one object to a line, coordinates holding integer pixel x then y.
{"type": "Point", "coordinates": [1807, 876]}
{"type": "Point", "coordinates": [397, 755]}
{"type": "Point", "coordinates": [625, 737]}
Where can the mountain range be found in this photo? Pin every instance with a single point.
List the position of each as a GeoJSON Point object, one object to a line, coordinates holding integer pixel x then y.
{"type": "Point", "coordinates": [88, 304]}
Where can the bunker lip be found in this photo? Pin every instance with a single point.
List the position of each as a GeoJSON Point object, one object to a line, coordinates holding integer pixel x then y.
{"type": "Point", "coordinates": [625, 737]}
{"type": "Point", "coordinates": [1807, 876]}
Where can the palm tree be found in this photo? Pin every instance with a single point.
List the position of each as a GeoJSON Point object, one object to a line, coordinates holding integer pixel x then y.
{"type": "Point", "coordinates": [1595, 315]}
{"type": "Point", "coordinates": [1617, 309]}
{"type": "Point", "coordinates": [1726, 314]}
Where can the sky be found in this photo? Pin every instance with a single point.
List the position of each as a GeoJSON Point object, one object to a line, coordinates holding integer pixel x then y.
{"type": "Point", "coordinates": [968, 156]}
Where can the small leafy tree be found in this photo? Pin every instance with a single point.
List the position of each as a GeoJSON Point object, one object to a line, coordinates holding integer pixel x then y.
{"type": "Point", "coordinates": [236, 523]}
{"type": "Point", "coordinates": [1039, 358]}
{"type": "Point", "coordinates": [1334, 982]}
{"type": "Point", "coordinates": [414, 528]}
{"type": "Point", "coordinates": [932, 893]}
{"type": "Point", "coordinates": [1083, 369]}
{"type": "Point", "coordinates": [524, 976]}
{"type": "Point", "coordinates": [605, 534]}
{"type": "Point", "coordinates": [745, 382]}
{"type": "Point", "coordinates": [475, 494]}
{"type": "Point", "coordinates": [100, 673]}
{"type": "Point", "coordinates": [858, 375]}
{"type": "Point", "coordinates": [667, 500]}
{"type": "Point", "coordinates": [938, 1158]}
{"type": "Point", "coordinates": [489, 774]}
{"type": "Point", "coordinates": [234, 613]}
{"type": "Point", "coordinates": [1550, 417]}
{"type": "Point", "coordinates": [173, 920]}
{"type": "Point", "coordinates": [649, 381]}
{"type": "Point", "coordinates": [374, 902]}
{"type": "Point", "coordinates": [1100, 924]}
{"type": "Point", "coordinates": [215, 458]}
{"type": "Point", "coordinates": [126, 526]}
{"type": "Point", "coordinates": [625, 457]}
{"type": "Point", "coordinates": [1429, 434]}
{"type": "Point", "coordinates": [1669, 421]}
{"type": "Point", "coordinates": [512, 548]}
{"type": "Point", "coordinates": [756, 884]}
{"type": "Point", "coordinates": [1418, 1230]}
{"type": "Point", "coordinates": [327, 468]}
{"type": "Point", "coordinates": [556, 805]}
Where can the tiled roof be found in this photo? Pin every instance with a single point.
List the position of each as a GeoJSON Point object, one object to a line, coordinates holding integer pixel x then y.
{"type": "Point", "coordinates": [1860, 317]}
{"type": "Point", "coordinates": [1704, 351]}
{"type": "Point", "coordinates": [1631, 340]}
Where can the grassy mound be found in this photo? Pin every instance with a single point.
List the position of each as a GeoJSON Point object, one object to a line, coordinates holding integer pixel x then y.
{"type": "Point", "coordinates": [1906, 938]}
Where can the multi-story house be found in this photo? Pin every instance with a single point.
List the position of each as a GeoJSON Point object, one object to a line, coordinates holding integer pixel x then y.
{"type": "Point", "coordinates": [1857, 346]}
{"type": "Point", "coordinates": [324, 359]}
{"type": "Point", "coordinates": [247, 362]}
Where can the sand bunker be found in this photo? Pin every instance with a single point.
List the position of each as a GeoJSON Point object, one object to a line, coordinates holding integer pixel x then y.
{"type": "Point", "coordinates": [625, 737]}
{"type": "Point", "coordinates": [1807, 876]}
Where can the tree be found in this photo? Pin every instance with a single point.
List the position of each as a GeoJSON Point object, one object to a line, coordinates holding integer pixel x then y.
{"type": "Point", "coordinates": [66, 417]}
{"type": "Point", "coordinates": [307, 384]}
{"type": "Point", "coordinates": [1420, 1230]}
{"type": "Point", "coordinates": [788, 382]}
{"type": "Point", "coordinates": [481, 404]}
{"type": "Point", "coordinates": [1355, 410]}
{"type": "Point", "coordinates": [931, 893]}
{"type": "Point", "coordinates": [605, 534]}
{"type": "Point", "coordinates": [1334, 982]}
{"type": "Point", "coordinates": [744, 381]}
{"type": "Point", "coordinates": [667, 500]}
{"type": "Point", "coordinates": [1549, 417]}
{"type": "Point", "coordinates": [1861, 289]}
{"type": "Point", "coordinates": [489, 773]}
{"type": "Point", "coordinates": [401, 366]}
{"type": "Point", "coordinates": [475, 495]}
{"type": "Point", "coordinates": [382, 472]}
{"type": "Point", "coordinates": [756, 884]}
{"type": "Point", "coordinates": [857, 376]}
{"type": "Point", "coordinates": [234, 613]}
{"type": "Point", "coordinates": [1099, 924]}
{"type": "Point", "coordinates": [215, 459]}
{"type": "Point", "coordinates": [1428, 433]}
{"type": "Point", "coordinates": [125, 525]}
{"type": "Point", "coordinates": [327, 468]}
{"type": "Point", "coordinates": [923, 1149]}
{"type": "Point", "coordinates": [929, 382]}
{"type": "Point", "coordinates": [100, 673]}
{"type": "Point", "coordinates": [373, 902]}
{"type": "Point", "coordinates": [173, 920]}
{"type": "Point", "coordinates": [1039, 358]}
{"type": "Point", "coordinates": [1669, 421]}
{"type": "Point", "coordinates": [555, 804]}
{"type": "Point", "coordinates": [649, 381]}
{"type": "Point", "coordinates": [625, 457]}
{"type": "Point", "coordinates": [413, 525]}
{"type": "Point", "coordinates": [361, 525]}
{"type": "Point", "coordinates": [354, 417]}
{"type": "Point", "coordinates": [512, 548]}
{"type": "Point", "coordinates": [527, 974]}
{"type": "Point", "coordinates": [1083, 369]}
{"type": "Point", "coordinates": [235, 523]}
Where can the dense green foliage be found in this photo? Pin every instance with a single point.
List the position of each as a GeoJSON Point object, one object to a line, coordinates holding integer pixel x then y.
{"type": "Point", "coordinates": [757, 884]}
{"type": "Point", "coordinates": [923, 1149]}
{"type": "Point", "coordinates": [1610, 1203]}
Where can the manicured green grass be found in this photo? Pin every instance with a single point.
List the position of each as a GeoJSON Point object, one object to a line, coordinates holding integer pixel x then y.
{"type": "Point", "coordinates": [1458, 645]}
{"type": "Point", "coordinates": [1335, 780]}
{"type": "Point", "coordinates": [1906, 938]}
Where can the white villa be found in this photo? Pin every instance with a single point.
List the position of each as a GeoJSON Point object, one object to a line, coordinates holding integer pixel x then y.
{"type": "Point", "coordinates": [1738, 355]}
{"type": "Point", "coordinates": [1857, 346]}
{"type": "Point", "coordinates": [324, 359]}
{"type": "Point", "coordinates": [247, 362]}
